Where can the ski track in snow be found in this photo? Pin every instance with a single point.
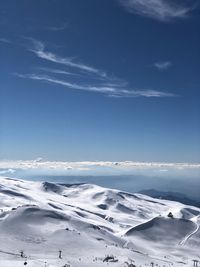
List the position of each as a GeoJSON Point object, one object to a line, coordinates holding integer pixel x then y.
{"type": "Point", "coordinates": [187, 237]}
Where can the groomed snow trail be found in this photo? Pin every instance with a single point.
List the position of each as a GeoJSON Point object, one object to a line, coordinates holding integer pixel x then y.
{"type": "Point", "coordinates": [187, 237]}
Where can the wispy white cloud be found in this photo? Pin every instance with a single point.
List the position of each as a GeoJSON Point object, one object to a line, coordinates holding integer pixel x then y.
{"type": "Point", "coordinates": [4, 40]}
{"type": "Point", "coordinates": [58, 28]}
{"type": "Point", "coordinates": [163, 65]}
{"type": "Point", "coordinates": [58, 71]}
{"type": "Point", "coordinates": [105, 89]}
{"type": "Point", "coordinates": [39, 49]}
{"type": "Point", "coordinates": [163, 10]}
{"type": "Point", "coordinates": [89, 78]}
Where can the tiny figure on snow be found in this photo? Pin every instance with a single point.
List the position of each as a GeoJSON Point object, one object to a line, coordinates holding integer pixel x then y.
{"type": "Point", "coordinates": [60, 254]}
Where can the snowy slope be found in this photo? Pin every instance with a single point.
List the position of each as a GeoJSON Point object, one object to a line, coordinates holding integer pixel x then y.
{"type": "Point", "coordinates": [87, 223]}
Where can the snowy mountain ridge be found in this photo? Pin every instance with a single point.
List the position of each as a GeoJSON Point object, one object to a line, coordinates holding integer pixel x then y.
{"type": "Point", "coordinates": [92, 226]}
{"type": "Point", "coordinates": [174, 196]}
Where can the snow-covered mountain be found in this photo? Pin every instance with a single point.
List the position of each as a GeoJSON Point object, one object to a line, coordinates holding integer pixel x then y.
{"type": "Point", "coordinates": [92, 226]}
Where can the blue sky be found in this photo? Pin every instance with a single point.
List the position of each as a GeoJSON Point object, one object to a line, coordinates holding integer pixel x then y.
{"type": "Point", "coordinates": [105, 80]}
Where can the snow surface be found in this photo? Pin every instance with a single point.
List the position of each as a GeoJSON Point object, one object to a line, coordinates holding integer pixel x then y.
{"type": "Point", "coordinates": [88, 222]}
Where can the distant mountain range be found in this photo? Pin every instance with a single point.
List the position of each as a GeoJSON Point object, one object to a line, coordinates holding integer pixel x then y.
{"type": "Point", "coordinates": [174, 196]}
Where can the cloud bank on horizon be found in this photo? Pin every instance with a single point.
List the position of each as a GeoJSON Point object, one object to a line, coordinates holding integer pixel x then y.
{"type": "Point", "coordinates": [98, 167]}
